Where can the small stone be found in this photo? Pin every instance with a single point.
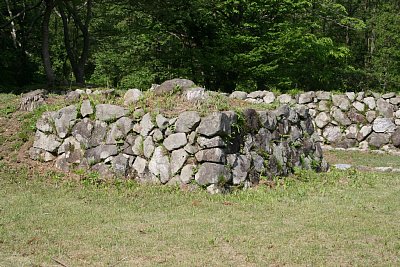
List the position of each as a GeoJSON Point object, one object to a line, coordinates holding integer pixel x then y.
{"type": "Point", "coordinates": [396, 138]}
{"type": "Point", "coordinates": [40, 154]}
{"type": "Point", "coordinates": [359, 106]}
{"type": "Point", "coordinates": [103, 170]}
{"type": "Point", "coordinates": [341, 117]}
{"type": "Point", "coordinates": [238, 95]}
{"type": "Point", "coordinates": [98, 133]}
{"type": "Point", "coordinates": [356, 117]}
{"type": "Point", "coordinates": [216, 155]}
{"type": "Point", "coordinates": [96, 154]}
{"type": "Point", "coordinates": [383, 125]}
{"type": "Point", "coordinates": [384, 108]}
{"type": "Point", "coordinates": [158, 136]}
{"type": "Point", "coordinates": [322, 95]}
{"type": "Point", "coordinates": [132, 96]}
{"type": "Point", "coordinates": [217, 123]}
{"type": "Point", "coordinates": [341, 101]}
{"type": "Point", "coordinates": [388, 95]}
{"type": "Point", "coordinates": [254, 100]}
{"type": "Point", "coordinates": [159, 165]}
{"type": "Point", "coordinates": [191, 149]}
{"type": "Point", "coordinates": [323, 105]}
{"type": "Point", "coordinates": [178, 159]}
{"type": "Point", "coordinates": [174, 181]}
{"type": "Point", "coordinates": [307, 97]}
{"type": "Point", "coordinates": [119, 130]}
{"type": "Point", "coordinates": [46, 122]}
{"type": "Point", "coordinates": [175, 141]}
{"type": "Point", "coordinates": [192, 138]}
{"type": "Point", "coordinates": [351, 132]}
{"type": "Point", "coordinates": [285, 99]}
{"type": "Point", "coordinates": [370, 115]}
{"type": "Point", "coordinates": [302, 111]}
{"type": "Point", "coordinates": [370, 102]}
{"type": "Point", "coordinates": [161, 122]}
{"type": "Point", "coordinates": [342, 167]}
{"type": "Point", "coordinates": [86, 108]}
{"type": "Point", "coordinates": [364, 132]}
{"type": "Point", "coordinates": [195, 94]}
{"type": "Point", "coordinates": [140, 165]}
{"type": "Point", "coordinates": [364, 145]}
{"type": "Point", "coordinates": [146, 125]}
{"type": "Point", "coordinates": [187, 173]}
{"type": "Point", "coordinates": [108, 112]}
{"type": "Point", "coordinates": [240, 165]}
{"type": "Point", "coordinates": [395, 101]}
{"type": "Point", "coordinates": [33, 100]}
{"type": "Point", "coordinates": [187, 121]}
{"type": "Point", "coordinates": [172, 86]}
{"type": "Point", "coordinates": [268, 119]}
{"type": "Point", "coordinates": [282, 112]}
{"type": "Point", "coordinates": [48, 143]}
{"type": "Point", "coordinates": [351, 96]}
{"type": "Point", "coordinates": [360, 96]}
{"type": "Point", "coordinates": [322, 120]}
{"type": "Point", "coordinates": [63, 120]}
{"type": "Point", "coordinates": [332, 134]}
{"type": "Point", "coordinates": [211, 143]}
{"type": "Point", "coordinates": [257, 94]}
{"type": "Point", "coordinates": [269, 98]}
{"type": "Point", "coordinates": [212, 173]}
{"type": "Point", "coordinates": [138, 146]}
{"type": "Point", "coordinates": [377, 140]}
{"type": "Point", "coordinates": [120, 165]}
{"type": "Point", "coordinates": [69, 144]}
{"type": "Point", "coordinates": [215, 189]}
{"type": "Point", "coordinates": [61, 163]}
{"type": "Point", "coordinates": [148, 147]}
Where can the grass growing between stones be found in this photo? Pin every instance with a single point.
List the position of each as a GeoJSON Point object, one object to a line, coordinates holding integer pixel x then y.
{"type": "Point", "coordinates": [338, 218]}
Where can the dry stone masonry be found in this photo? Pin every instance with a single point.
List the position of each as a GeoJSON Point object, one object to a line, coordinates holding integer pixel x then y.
{"type": "Point", "coordinates": [349, 120]}
{"type": "Point", "coordinates": [218, 151]}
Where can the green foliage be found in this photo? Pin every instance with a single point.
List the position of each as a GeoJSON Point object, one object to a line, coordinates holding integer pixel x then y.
{"type": "Point", "coordinates": [222, 45]}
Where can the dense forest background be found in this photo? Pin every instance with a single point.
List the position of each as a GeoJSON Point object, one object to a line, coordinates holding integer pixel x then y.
{"type": "Point", "coordinates": [222, 45]}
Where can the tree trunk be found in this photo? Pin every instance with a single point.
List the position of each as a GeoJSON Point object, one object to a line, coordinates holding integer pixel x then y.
{"type": "Point", "coordinates": [51, 77]}
{"type": "Point", "coordinates": [78, 64]}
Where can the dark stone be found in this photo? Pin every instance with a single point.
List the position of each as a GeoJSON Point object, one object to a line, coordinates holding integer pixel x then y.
{"type": "Point", "coordinates": [377, 140]}
{"type": "Point", "coordinates": [307, 126]}
{"type": "Point", "coordinates": [396, 138]}
{"type": "Point", "coordinates": [268, 119]}
{"type": "Point", "coordinates": [217, 123]}
{"type": "Point", "coordinates": [356, 117]}
{"type": "Point", "coordinates": [173, 85]}
{"type": "Point", "coordinates": [82, 131]}
{"type": "Point", "coordinates": [252, 122]}
{"type": "Point", "coordinates": [32, 100]}
{"type": "Point", "coordinates": [283, 111]}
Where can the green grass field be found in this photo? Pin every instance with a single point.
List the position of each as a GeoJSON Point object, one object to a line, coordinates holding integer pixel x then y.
{"type": "Point", "coordinates": [340, 218]}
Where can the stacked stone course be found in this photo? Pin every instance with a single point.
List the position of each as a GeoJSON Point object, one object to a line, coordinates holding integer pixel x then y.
{"type": "Point", "coordinates": [218, 151]}
{"type": "Point", "coordinates": [349, 120]}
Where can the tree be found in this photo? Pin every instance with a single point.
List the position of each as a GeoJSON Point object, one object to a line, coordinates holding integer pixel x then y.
{"type": "Point", "coordinates": [71, 13]}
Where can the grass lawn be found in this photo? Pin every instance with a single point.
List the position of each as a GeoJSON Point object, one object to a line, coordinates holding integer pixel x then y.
{"type": "Point", "coordinates": [340, 218]}
{"type": "Point", "coordinates": [357, 158]}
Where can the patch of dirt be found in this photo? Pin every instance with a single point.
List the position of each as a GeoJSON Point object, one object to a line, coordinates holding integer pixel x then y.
{"type": "Point", "coordinates": [13, 150]}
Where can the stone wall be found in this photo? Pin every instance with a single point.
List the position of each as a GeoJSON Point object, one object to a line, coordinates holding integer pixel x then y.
{"type": "Point", "coordinates": [218, 151]}
{"type": "Point", "coordinates": [350, 120]}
